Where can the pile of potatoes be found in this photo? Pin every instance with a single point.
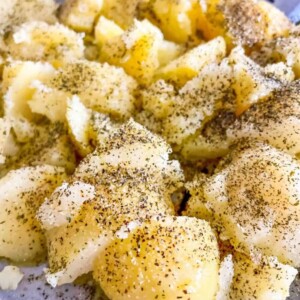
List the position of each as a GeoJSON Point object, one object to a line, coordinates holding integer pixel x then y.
{"type": "Point", "coordinates": [152, 144]}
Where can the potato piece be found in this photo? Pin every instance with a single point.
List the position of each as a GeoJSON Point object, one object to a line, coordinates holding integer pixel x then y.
{"type": "Point", "coordinates": [241, 22]}
{"type": "Point", "coordinates": [5, 127]}
{"type": "Point", "coordinates": [79, 118]}
{"type": "Point", "coordinates": [22, 192]}
{"type": "Point", "coordinates": [101, 126]}
{"type": "Point", "coordinates": [159, 99]}
{"type": "Point", "coordinates": [275, 121]}
{"type": "Point", "coordinates": [271, 280]}
{"type": "Point", "coordinates": [212, 142]}
{"type": "Point", "coordinates": [132, 179]}
{"type": "Point", "coordinates": [163, 258]}
{"type": "Point", "coordinates": [254, 194]}
{"type": "Point", "coordinates": [49, 145]}
{"type": "Point", "coordinates": [287, 49]}
{"type": "Point", "coordinates": [101, 87]}
{"type": "Point", "coordinates": [250, 82]}
{"type": "Point", "coordinates": [10, 277]}
{"type": "Point", "coordinates": [64, 204]}
{"type": "Point", "coordinates": [226, 273]}
{"type": "Point", "coordinates": [191, 63]}
{"type": "Point", "coordinates": [17, 12]}
{"type": "Point", "coordinates": [280, 71]}
{"type": "Point", "coordinates": [195, 206]}
{"type": "Point", "coordinates": [80, 15]}
{"type": "Point", "coordinates": [123, 12]}
{"type": "Point", "coordinates": [278, 25]}
{"type": "Point", "coordinates": [106, 30]}
{"type": "Point", "coordinates": [136, 50]}
{"type": "Point", "coordinates": [17, 86]}
{"type": "Point", "coordinates": [148, 120]}
{"type": "Point", "coordinates": [2, 62]}
{"type": "Point", "coordinates": [168, 51]}
{"type": "Point", "coordinates": [197, 102]}
{"type": "Point", "coordinates": [38, 41]}
{"type": "Point", "coordinates": [177, 19]}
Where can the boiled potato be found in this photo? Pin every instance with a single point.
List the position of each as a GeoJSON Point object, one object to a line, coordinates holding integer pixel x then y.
{"type": "Point", "coordinates": [80, 15]}
{"type": "Point", "coordinates": [87, 128]}
{"type": "Point", "coordinates": [106, 30]}
{"type": "Point", "coordinates": [136, 50]}
{"type": "Point", "coordinates": [2, 61]}
{"type": "Point", "coordinates": [48, 144]}
{"type": "Point", "coordinates": [246, 22]}
{"type": "Point", "coordinates": [226, 273]}
{"type": "Point", "coordinates": [39, 41]}
{"type": "Point", "coordinates": [277, 22]}
{"type": "Point", "coordinates": [197, 102]}
{"type": "Point", "coordinates": [18, 86]}
{"type": "Point", "coordinates": [177, 19]}
{"type": "Point", "coordinates": [195, 206]}
{"type": "Point", "coordinates": [22, 192]}
{"type": "Point", "coordinates": [171, 258]}
{"type": "Point", "coordinates": [285, 49]}
{"type": "Point", "coordinates": [123, 12]}
{"type": "Point", "coordinates": [274, 121]}
{"type": "Point", "coordinates": [79, 119]}
{"type": "Point", "coordinates": [5, 127]}
{"type": "Point", "coordinates": [100, 127]}
{"type": "Point", "coordinates": [148, 120]}
{"type": "Point", "coordinates": [187, 66]}
{"type": "Point", "coordinates": [159, 98]}
{"type": "Point", "coordinates": [64, 204]}
{"type": "Point", "coordinates": [254, 199]}
{"type": "Point", "coordinates": [270, 280]}
{"type": "Point", "coordinates": [102, 87]}
{"type": "Point", "coordinates": [280, 71]}
{"type": "Point", "coordinates": [168, 51]}
{"type": "Point", "coordinates": [16, 12]}
{"type": "Point", "coordinates": [212, 142]}
{"type": "Point", "coordinates": [126, 180]}
{"type": "Point", "coordinates": [250, 84]}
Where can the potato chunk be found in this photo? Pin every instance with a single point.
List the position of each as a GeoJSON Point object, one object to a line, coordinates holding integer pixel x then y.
{"type": "Point", "coordinates": [5, 127]}
{"type": "Point", "coordinates": [123, 12]}
{"type": "Point", "coordinates": [106, 30]}
{"type": "Point", "coordinates": [44, 144]}
{"type": "Point", "coordinates": [255, 195]}
{"type": "Point", "coordinates": [127, 179]}
{"type": "Point", "coordinates": [161, 259]}
{"type": "Point", "coordinates": [39, 41]}
{"type": "Point", "coordinates": [270, 280]}
{"type": "Point", "coordinates": [197, 102]}
{"type": "Point", "coordinates": [212, 141]}
{"type": "Point", "coordinates": [80, 15]}
{"type": "Point", "coordinates": [79, 118]}
{"type": "Point", "coordinates": [177, 19]}
{"type": "Point", "coordinates": [16, 12]}
{"type": "Point", "coordinates": [136, 50]}
{"type": "Point", "coordinates": [187, 66]}
{"type": "Point", "coordinates": [22, 192]}
{"type": "Point", "coordinates": [18, 86]}
{"type": "Point", "coordinates": [242, 22]}
{"type": "Point", "coordinates": [250, 82]}
{"type": "Point", "coordinates": [159, 98]}
{"type": "Point", "coordinates": [101, 87]}
{"type": "Point", "coordinates": [275, 121]}
{"type": "Point", "coordinates": [195, 206]}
